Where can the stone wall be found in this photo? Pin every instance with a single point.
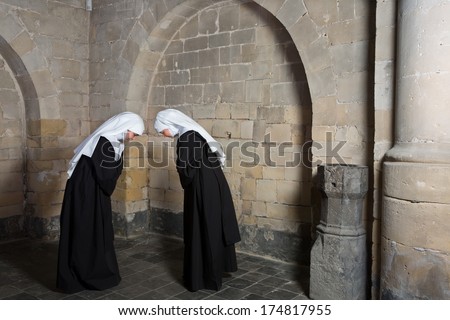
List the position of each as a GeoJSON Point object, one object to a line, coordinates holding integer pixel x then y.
{"type": "Point", "coordinates": [234, 68]}
{"type": "Point", "coordinates": [384, 100]}
{"type": "Point", "coordinates": [244, 69]}
{"type": "Point", "coordinates": [12, 155]}
{"type": "Point", "coordinates": [301, 70]}
{"type": "Point", "coordinates": [130, 39]}
{"type": "Point", "coordinates": [112, 57]}
{"type": "Point", "coordinates": [45, 45]}
{"type": "Point", "coordinates": [415, 241]}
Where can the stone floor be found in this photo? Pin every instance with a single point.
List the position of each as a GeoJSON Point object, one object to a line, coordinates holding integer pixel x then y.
{"type": "Point", "coordinates": [151, 269]}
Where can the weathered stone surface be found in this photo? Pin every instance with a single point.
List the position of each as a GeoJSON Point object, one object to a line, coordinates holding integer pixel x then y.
{"type": "Point", "coordinates": [166, 221]}
{"type": "Point", "coordinates": [414, 273]}
{"type": "Point", "coordinates": [338, 267]}
{"type": "Point", "coordinates": [414, 262]}
{"type": "Point", "coordinates": [277, 244]}
{"type": "Point", "coordinates": [46, 228]}
{"type": "Point", "coordinates": [228, 18]}
{"type": "Point", "coordinates": [102, 62]}
{"type": "Point", "coordinates": [11, 227]}
{"type": "Point", "coordinates": [131, 225]}
{"type": "Point", "coordinates": [338, 256]}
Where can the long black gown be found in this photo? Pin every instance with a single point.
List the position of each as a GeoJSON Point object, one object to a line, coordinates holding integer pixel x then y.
{"type": "Point", "coordinates": [86, 257]}
{"type": "Point", "coordinates": [209, 218]}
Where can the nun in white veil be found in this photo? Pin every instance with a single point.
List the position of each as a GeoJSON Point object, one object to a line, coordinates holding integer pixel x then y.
{"type": "Point", "coordinates": [86, 256]}
{"type": "Point", "coordinates": [178, 123]}
{"type": "Point", "coordinates": [209, 219]}
{"type": "Point", "coordinates": [116, 130]}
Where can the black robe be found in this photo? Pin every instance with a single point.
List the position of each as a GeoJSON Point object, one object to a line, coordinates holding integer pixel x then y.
{"type": "Point", "coordinates": [210, 225]}
{"type": "Point", "coordinates": [86, 257]}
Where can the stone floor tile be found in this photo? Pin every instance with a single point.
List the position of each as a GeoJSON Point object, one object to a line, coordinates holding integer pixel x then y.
{"type": "Point", "coordinates": [187, 295]}
{"type": "Point", "coordinates": [94, 294]}
{"type": "Point", "coordinates": [21, 296]}
{"type": "Point", "coordinates": [248, 265]}
{"type": "Point", "coordinates": [7, 291]}
{"type": "Point", "coordinates": [52, 295]}
{"type": "Point", "coordinates": [140, 265]}
{"type": "Point", "coordinates": [240, 283]}
{"type": "Point", "coordinates": [256, 276]}
{"type": "Point", "coordinates": [155, 283]}
{"type": "Point", "coordinates": [280, 294]}
{"type": "Point", "coordinates": [133, 291]}
{"type": "Point", "coordinates": [295, 286]}
{"type": "Point", "coordinates": [253, 296]}
{"type": "Point", "coordinates": [153, 295]}
{"type": "Point", "coordinates": [172, 289]}
{"type": "Point", "coordinates": [114, 296]}
{"type": "Point", "coordinates": [300, 297]}
{"type": "Point", "coordinates": [268, 270]}
{"type": "Point", "coordinates": [240, 271]}
{"type": "Point", "coordinates": [151, 268]}
{"type": "Point", "coordinates": [74, 297]}
{"type": "Point", "coordinates": [259, 288]}
{"type": "Point", "coordinates": [37, 290]}
{"type": "Point", "coordinates": [275, 281]}
{"type": "Point", "coordinates": [139, 276]}
{"type": "Point", "coordinates": [230, 293]}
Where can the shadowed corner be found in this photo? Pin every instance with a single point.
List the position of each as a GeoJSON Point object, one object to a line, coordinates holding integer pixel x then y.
{"type": "Point", "coordinates": [26, 263]}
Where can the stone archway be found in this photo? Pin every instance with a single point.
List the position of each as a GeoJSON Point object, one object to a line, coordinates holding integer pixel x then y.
{"type": "Point", "coordinates": [312, 29]}
{"type": "Point", "coordinates": [234, 68]}
{"type": "Point", "coordinates": [19, 99]}
{"type": "Point", "coordinates": [152, 36]}
{"type": "Point", "coordinates": [30, 69]}
{"type": "Point", "coordinates": [331, 41]}
{"type": "Point", "coordinates": [315, 30]}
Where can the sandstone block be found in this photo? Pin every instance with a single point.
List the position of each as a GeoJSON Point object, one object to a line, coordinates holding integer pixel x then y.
{"type": "Point", "coordinates": [208, 22]}
{"type": "Point", "coordinates": [248, 189]}
{"type": "Point", "coordinates": [266, 190]}
{"type": "Point", "coordinates": [159, 179]}
{"type": "Point", "coordinates": [228, 18]}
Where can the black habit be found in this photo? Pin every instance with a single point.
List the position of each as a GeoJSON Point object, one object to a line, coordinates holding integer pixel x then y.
{"type": "Point", "coordinates": [86, 257]}
{"type": "Point", "coordinates": [210, 226]}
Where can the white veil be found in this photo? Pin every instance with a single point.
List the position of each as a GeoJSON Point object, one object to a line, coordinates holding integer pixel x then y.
{"type": "Point", "coordinates": [178, 123]}
{"type": "Point", "coordinates": [113, 129]}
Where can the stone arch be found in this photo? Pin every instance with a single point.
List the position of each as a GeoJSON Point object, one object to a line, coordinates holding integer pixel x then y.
{"type": "Point", "coordinates": [30, 70]}
{"type": "Point", "coordinates": [151, 34]}
{"type": "Point", "coordinates": [152, 37]}
{"type": "Point", "coordinates": [30, 66]}
{"type": "Point", "coordinates": [23, 78]}
{"type": "Point", "coordinates": [13, 224]}
{"type": "Point", "coordinates": [306, 30]}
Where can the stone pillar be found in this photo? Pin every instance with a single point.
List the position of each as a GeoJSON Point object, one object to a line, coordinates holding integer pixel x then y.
{"type": "Point", "coordinates": [338, 256]}
{"type": "Point", "coordinates": [415, 233]}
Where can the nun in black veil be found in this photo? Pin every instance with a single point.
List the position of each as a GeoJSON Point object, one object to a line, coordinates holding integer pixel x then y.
{"type": "Point", "coordinates": [86, 255]}
{"type": "Point", "coordinates": [209, 218]}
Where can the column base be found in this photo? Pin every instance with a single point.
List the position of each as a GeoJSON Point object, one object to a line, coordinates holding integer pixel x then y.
{"type": "Point", "coordinates": [338, 268]}
{"type": "Point", "coordinates": [410, 273]}
{"type": "Point", "coordinates": [415, 232]}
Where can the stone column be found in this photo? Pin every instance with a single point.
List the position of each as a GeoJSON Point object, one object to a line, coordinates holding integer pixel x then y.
{"type": "Point", "coordinates": [338, 256]}
{"type": "Point", "coordinates": [415, 235]}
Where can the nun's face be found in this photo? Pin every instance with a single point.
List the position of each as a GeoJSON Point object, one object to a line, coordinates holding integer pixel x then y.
{"type": "Point", "coordinates": [130, 135]}
{"type": "Point", "coordinates": [166, 133]}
